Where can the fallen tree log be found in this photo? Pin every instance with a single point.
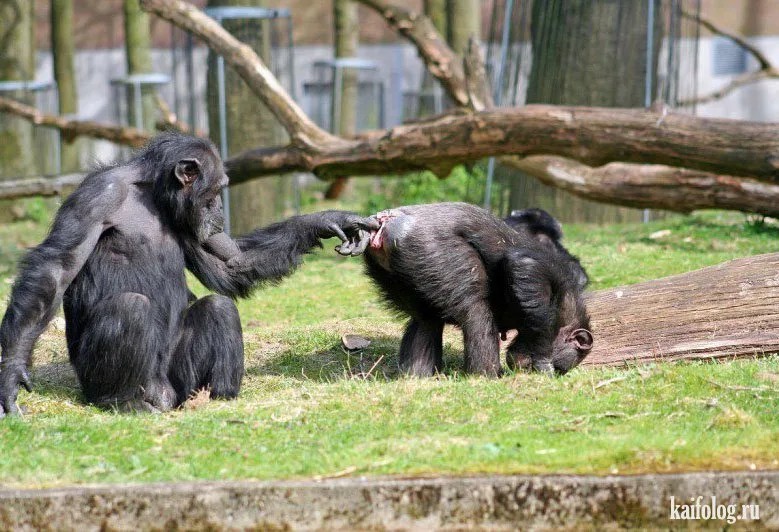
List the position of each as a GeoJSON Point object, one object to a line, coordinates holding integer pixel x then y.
{"type": "Point", "coordinates": [728, 310]}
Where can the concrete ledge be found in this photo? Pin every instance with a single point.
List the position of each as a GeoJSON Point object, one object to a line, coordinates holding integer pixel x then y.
{"type": "Point", "coordinates": [494, 502]}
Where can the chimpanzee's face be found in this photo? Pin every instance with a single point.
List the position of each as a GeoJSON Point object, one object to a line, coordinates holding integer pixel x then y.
{"type": "Point", "coordinates": [572, 341]}
{"type": "Point", "coordinates": [202, 179]}
{"type": "Point", "coordinates": [569, 348]}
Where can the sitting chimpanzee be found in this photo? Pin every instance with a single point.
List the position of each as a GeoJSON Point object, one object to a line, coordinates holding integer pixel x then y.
{"type": "Point", "coordinates": [456, 263]}
{"type": "Point", "coordinates": [138, 339]}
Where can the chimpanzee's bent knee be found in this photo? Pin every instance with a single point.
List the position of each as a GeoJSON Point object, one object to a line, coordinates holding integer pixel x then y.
{"type": "Point", "coordinates": [209, 353]}
{"type": "Point", "coordinates": [113, 351]}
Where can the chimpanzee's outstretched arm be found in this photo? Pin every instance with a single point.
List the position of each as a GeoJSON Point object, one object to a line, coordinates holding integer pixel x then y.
{"type": "Point", "coordinates": [45, 273]}
{"type": "Point", "coordinates": [269, 253]}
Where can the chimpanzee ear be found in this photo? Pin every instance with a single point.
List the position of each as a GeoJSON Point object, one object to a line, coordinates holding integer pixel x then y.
{"type": "Point", "coordinates": [582, 339]}
{"type": "Point", "coordinates": [187, 170]}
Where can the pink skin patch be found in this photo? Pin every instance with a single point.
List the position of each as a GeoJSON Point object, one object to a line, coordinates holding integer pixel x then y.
{"type": "Point", "coordinates": [377, 237]}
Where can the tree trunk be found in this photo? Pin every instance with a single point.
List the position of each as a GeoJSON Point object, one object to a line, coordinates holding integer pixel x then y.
{"type": "Point", "coordinates": [464, 21]}
{"type": "Point", "coordinates": [431, 95]}
{"type": "Point", "coordinates": [435, 10]}
{"type": "Point", "coordinates": [585, 52]}
{"type": "Point", "coordinates": [249, 124]}
{"type": "Point", "coordinates": [344, 115]}
{"type": "Point", "coordinates": [63, 50]}
{"type": "Point", "coordinates": [137, 34]}
{"type": "Point", "coordinates": [727, 310]}
{"type": "Point", "coordinates": [17, 62]}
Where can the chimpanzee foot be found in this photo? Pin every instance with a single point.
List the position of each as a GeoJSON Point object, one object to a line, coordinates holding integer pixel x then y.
{"type": "Point", "coordinates": [133, 406]}
{"type": "Point", "coordinates": [160, 395]}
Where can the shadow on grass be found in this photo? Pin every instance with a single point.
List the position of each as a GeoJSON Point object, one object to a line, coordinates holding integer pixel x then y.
{"type": "Point", "coordinates": [57, 381]}
{"type": "Point", "coordinates": [377, 361]}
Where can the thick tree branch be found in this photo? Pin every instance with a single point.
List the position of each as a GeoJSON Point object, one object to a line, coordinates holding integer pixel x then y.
{"type": "Point", "coordinates": [70, 129]}
{"type": "Point", "coordinates": [247, 64]}
{"type": "Point", "coordinates": [39, 186]}
{"type": "Point", "coordinates": [592, 135]}
{"type": "Point", "coordinates": [766, 71]}
{"type": "Point", "coordinates": [652, 186]}
{"type": "Point", "coordinates": [727, 310]}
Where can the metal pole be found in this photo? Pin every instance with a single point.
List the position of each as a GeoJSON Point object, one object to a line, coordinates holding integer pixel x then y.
{"type": "Point", "coordinates": [650, 39]}
{"type": "Point", "coordinates": [58, 136]}
{"type": "Point", "coordinates": [337, 86]}
{"type": "Point", "coordinates": [220, 81]}
{"type": "Point", "coordinates": [498, 92]}
{"type": "Point", "coordinates": [293, 89]}
{"type": "Point", "coordinates": [138, 104]}
{"type": "Point", "coordinates": [191, 83]}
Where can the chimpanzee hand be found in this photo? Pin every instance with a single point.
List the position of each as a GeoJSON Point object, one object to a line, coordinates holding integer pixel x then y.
{"type": "Point", "coordinates": [351, 228]}
{"type": "Point", "coordinates": [11, 376]}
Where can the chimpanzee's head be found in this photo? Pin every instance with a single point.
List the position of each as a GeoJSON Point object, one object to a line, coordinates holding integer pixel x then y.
{"type": "Point", "coordinates": [561, 336]}
{"type": "Point", "coordinates": [546, 285]}
{"type": "Point", "coordinates": [188, 179]}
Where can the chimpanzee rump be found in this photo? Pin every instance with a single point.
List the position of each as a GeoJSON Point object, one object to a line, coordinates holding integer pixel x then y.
{"type": "Point", "coordinates": [455, 263]}
{"type": "Point", "coordinates": [138, 339]}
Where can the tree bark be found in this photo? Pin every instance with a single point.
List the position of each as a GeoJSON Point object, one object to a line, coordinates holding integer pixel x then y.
{"type": "Point", "coordinates": [137, 34]}
{"type": "Point", "coordinates": [592, 135]}
{"type": "Point", "coordinates": [347, 35]}
{"type": "Point", "coordinates": [464, 22]}
{"type": "Point", "coordinates": [435, 10]}
{"type": "Point", "coordinates": [70, 129]}
{"type": "Point", "coordinates": [249, 123]}
{"type": "Point", "coordinates": [40, 186]}
{"type": "Point", "coordinates": [63, 50]}
{"type": "Point", "coordinates": [17, 62]}
{"type": "Point", "coordinates": [441, 61]}
{"type": "Point", "coordinates": [651, 186]}
{"type": "Point", "coordinates": [585, 52]}
{"type": "Point", "coordinates": [728, 310]}
{"type": "Point", "coordinates": [247, 64]}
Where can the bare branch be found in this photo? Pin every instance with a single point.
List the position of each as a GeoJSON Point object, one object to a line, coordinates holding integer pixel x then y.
{"type": "Point", "coordinates": [738, 39]}
{"type": "Point", "coordinates": [70, 129]}
{"type": "Point", "coordinates": [742, 80]}
{"type": "Point", "coordinates": [767, 69]}
{"type": "Point", "coordinates": [247, 64]}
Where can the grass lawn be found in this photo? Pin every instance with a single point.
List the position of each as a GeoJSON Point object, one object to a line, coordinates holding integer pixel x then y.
{"type": "Point", "coordinates": [307, 409]}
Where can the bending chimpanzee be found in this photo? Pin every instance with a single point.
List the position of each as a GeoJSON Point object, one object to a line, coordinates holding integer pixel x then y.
{"type": "Point", "coordinates": [138, 339]}
{"type": "Point", "coordinates": [456, 263]}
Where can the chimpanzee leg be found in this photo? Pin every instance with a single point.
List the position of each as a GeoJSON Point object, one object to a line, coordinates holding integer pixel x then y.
{"type": "Point", "coordinates": [209, 352]}
{"type": "Point", "coordinates": [117, 350]}
{"type": "Point", "coordinates": [421, 350]}
{"type": "Point", "coordinates": [480, 335]}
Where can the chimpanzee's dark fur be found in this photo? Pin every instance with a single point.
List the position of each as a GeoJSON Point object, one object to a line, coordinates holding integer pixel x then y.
{"type": "Point", "coordinates": [456, 263]}
{"type": "Point", "coordinates": [138, 339]}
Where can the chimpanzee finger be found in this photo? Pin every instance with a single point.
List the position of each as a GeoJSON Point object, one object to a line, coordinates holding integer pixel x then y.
{"type": "Point", "coordinates": [344, 248]}
{"type": "Point", "coordinates": [361, 245]}
{"type": "Point", "coordinates": [338, 232]}
{"type": "Point", "coordinates": [369, 224]}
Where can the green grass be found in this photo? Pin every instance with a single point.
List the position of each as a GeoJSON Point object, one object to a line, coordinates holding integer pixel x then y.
{"type": "Point", "coordinates": [307, 409]}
